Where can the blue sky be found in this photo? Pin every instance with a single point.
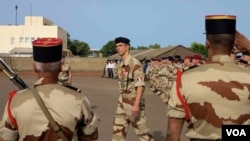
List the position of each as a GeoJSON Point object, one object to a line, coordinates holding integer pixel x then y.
{"type": "Point", "coordinates": [145, 22]}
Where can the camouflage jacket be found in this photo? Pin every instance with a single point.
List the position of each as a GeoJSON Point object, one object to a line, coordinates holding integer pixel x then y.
{"type": "Point", "coordinates": [130, 75]}
{"type": "Point", "coordinates": [64, 75]}
{"type": "Point", "coordinates": [216, 93]}
{"type": "Point", "coordinates": [69, 109]}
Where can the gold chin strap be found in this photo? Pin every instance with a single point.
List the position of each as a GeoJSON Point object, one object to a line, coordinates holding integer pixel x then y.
{"type": "Point", "coordinates": [54, 125]}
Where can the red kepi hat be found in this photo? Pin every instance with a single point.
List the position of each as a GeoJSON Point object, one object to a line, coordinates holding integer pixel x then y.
{"type": "Point", "coordinates": [47, 50]}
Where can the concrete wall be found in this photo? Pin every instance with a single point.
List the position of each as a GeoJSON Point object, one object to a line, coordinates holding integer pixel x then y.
{"type": "Point", "coordinates": [76, 63]}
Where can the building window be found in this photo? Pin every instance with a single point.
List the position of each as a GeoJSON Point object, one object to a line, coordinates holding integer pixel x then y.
{"type": "Point", "coordinates": [12, 40]}
{"type": "Point", "coordinates": [21, 39]}
{"type": "Point", "coordinates": [27, 39]}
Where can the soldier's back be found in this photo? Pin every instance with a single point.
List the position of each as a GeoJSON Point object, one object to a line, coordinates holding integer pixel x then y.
{"type": "Point", "coordinates": [65, 105]}
{"type": "Point", "coordinates": [216, 87]}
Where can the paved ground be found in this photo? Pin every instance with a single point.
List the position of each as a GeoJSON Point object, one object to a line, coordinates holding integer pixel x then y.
{"type": "Point", "coordinates": [103, 94]}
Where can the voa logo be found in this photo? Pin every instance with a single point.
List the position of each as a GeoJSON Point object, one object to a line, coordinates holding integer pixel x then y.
{"type": "Point", "coordinates": [236, 132]}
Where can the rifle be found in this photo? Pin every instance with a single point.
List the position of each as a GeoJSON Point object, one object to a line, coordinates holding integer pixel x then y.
{"type": "Point", "coordinates": [18, 81]}
{"type": "Point", "coordinates": [12, 75]}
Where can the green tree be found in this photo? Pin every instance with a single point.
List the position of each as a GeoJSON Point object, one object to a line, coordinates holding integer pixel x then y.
{"type": "Point", "coordinates": [108, 49]}
{"type": "Point", "coordinates": [79, 48]}
{"type": "Point", "coordinates": [155, 46]}
{"type": "Point", "coordinates": [142, 47]}
{"type": "Point", "coordinates": [199, 48]}
{"type": "Point", "coordinates": [70, 45]}
{"type": "Point", "coordinates": [132, 48]}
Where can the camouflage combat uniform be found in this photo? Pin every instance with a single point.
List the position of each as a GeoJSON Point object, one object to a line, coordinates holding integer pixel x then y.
{"type": "Point", "coordinates": [216, 93]}
{"type": "Point", "coordinates": [153, 72]}
{"type": "Point", "coordinates": [164, 81]}
{"type": "Point", "coordinates": [130, 76]}
{"type": "Point", "coordinates": [64, 76]}
{"type": "Point", "coordinates": [155, 77]}
{"type": "Point", "coordinates": [69, 109]}
{"type": "Point", "coordinates": [158, 80]}
{"type": "Point", "coordinates": [171, 75]}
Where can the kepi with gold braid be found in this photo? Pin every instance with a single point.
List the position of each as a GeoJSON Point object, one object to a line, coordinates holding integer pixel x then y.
{"type": "Point", "coordinates": [47, 50]}
{"type": "Point", "coordinates": [220, 24]}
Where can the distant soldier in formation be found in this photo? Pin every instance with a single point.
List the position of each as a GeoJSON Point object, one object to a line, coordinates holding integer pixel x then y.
{"type": "Point", "coordinates": [163, 73]}
{"type": "Point", "coordinates": [196, 61]}
{"type": "Point", "coordinates": [148, 72]}
{"type": "Point", "coordinates": [162, 80]}
{"type": "Point", "coordinates": [171, 68]}
{"type": "Point", "coordinates": [186, 62]}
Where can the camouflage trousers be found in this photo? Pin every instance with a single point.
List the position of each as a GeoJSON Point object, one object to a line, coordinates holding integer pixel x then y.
{"type": "Point", "coordinates": [123, 119]}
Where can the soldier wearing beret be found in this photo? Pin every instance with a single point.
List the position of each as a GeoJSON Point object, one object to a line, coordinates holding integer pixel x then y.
{"type": "Point", "coordinates": [187, 62]}
{"type": "Point", "coordinates": [163, 80]}
{"type": "Point", "coordinates": [131, 105]}
{"type": "Point", "coordinates": [25, 120]}
{"type": "Point", "coordinates": [196, 61]}
{"type": "Point", "coordinates": [212, 94]}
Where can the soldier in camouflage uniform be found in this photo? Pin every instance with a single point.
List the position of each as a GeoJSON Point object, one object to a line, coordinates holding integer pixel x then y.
{"type": "Point", "coordinates": [158, 81]}
{"type": "Point", "coordinates": [215, 93]}
{"type": "Point", "coordinates": [131, 105]}
{"type": "Point", "coordinates": [156, 89]}
{"type": "Point", "coordinates": [163, 73]}
{"type": "Point", "coordinates": [154, 75]}
{"type": "Point", "coordinates": [23, 118]}
{"type": "Point", "coordinates": [196, 61]}
{"type": "Point", "coordinates": [171, 70]}
{"type": "Point", "coordinates": [65, 77]}
{"type": "Point", "coordinates": [186, 63]}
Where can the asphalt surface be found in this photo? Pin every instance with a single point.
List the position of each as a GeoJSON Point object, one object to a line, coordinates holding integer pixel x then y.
{"type": "Point", "coordinates": [103, 95]}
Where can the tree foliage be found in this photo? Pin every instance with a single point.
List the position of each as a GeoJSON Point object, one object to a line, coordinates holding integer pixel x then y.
{"type": "Point", "coordinates": [78, 48]}
{"type": "Point", "coordinates": [141, 48]}
{"type": "Point", "coordinates": [132, 48]}
{"type": "Point", "coordinates": [109, 49]}
{"type": "Point", "coordinates": [155, 46]}
{"type": "Point", "coordinates": [199, 48]}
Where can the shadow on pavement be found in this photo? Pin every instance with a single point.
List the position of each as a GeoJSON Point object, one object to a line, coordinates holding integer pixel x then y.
{"type": "Point", "coordinates": [159, 136]}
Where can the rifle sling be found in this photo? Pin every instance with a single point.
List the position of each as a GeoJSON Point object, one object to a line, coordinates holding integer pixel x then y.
{"type": "Point", "coordinates": [54, 125]}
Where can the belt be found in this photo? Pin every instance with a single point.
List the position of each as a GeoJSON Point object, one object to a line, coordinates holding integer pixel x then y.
{"type": "Point", "coordinates": [205, 140]}
{"type": "Point", "coordinates": [125, 92]}
{"type": "Point", "coordinates": [130, 95]}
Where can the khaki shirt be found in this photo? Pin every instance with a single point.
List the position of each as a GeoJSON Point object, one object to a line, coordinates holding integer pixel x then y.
{"type": "Point", "coordinates": [216, 93]}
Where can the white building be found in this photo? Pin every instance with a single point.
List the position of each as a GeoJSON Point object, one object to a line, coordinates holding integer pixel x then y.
{"type": "Point", "coordinates": [17, 39]}
{"type": "Point", "coordinates": [94, 53]}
